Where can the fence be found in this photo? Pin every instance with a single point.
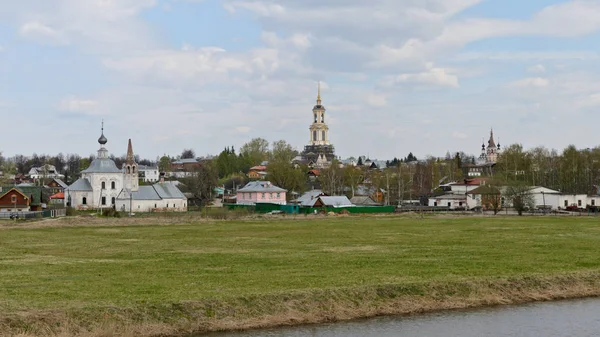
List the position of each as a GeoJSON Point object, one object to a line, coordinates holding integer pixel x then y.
{"type": "Point", "coordinates": [50, 213]}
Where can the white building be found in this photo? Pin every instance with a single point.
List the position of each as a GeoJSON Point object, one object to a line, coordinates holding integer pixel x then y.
{"type": "Point", "coordinates": [452, 201]}
{"type": "Point", "coordinates": [45, 171]}
{"type": "Point", "coordinates": [158, 197]}
{"type": "Point", "coordinates": [103, 185]}
{"type": "Point", "coordinates": [99, 184]}
{"type": "Point", "coordinates": [149, 174]}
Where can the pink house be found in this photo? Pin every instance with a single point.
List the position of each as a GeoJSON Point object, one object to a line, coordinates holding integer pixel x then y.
{"type": "Point", "coordinates": [256, 192]}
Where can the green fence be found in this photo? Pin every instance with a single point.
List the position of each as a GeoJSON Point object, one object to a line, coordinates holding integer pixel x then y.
{"type": "Point", "coordinates": [296, 209]}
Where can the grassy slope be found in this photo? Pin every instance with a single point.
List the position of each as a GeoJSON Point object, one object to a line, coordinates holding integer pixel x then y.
{"type": "Point", "coordinates": [137, 266]}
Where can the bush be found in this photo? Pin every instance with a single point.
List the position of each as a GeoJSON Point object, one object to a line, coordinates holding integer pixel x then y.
{"type": "Point", "coordinates": [111, 213]}
{"type": "Point", "coordinates": [71, 211]}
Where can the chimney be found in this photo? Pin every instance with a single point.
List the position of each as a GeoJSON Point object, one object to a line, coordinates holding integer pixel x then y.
{"type": "Point", "coordinates": [162, 177]}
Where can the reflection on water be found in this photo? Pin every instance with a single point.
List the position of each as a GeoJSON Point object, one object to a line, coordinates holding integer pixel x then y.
{"type": "Point", "coordinates": [580, 318]}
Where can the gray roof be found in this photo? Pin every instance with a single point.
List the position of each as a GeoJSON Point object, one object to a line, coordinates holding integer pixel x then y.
{"type": "Point", "coordinates": [153, 192]}
{"type": "Point", "coordinates": [309, 198]}
{"type": "Point", "coordinates": [143, 193]}
{"type": "Point", "coordinates": [364, 201]}
{"type": "Point", "coordinates": [186, 161]}
{"type": "Point", "coordinates": [102, 165]}
{"type": "Point", "coordinates": [81, 184]}
{"type": "Point", "coordinates": [336, 201]}
{"type": "Point", "coordinates": [61, 183]}
{"type": "Point", "coordinates": [168, 191]}
{"type": "Point", "coordinates": [261, 186]}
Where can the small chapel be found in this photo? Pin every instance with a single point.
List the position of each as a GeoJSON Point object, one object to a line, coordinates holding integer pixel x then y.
{"type": "Point", "coordinates": [319, 153]}
{"type": "Point", "coordinates": [103, 185]}
{"type": "Point", "coordinates": [489, 154]}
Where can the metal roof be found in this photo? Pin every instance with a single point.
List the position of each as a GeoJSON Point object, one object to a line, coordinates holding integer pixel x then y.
{"type": "Point", "coordinates": [336, 201]}
{"type": "Point", "coordinates": [261, 186]}
{"type": "Point", "coordinates": [154, 192]}
{"type": "Point", "coordinates": [81, 184]}
{"type": "Point", "coordinates": [143, 193]}
{"type": "Point", "coordinates": [61, 183]}
{"type": "Point", "coordinates": [102, 165]}
{"type": "Point", "coordinates": [168, 191]}
{"type": "Point", "coordinates": [309, 198]}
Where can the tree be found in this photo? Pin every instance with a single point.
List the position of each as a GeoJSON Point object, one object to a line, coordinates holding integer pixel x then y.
{"type": "Point", "coordinates": [164, 164]}
{"type": "Point", "coordinates": [282, 151]}
{"type": "Point", "coordinates": [360, 161]}
{"type": "Point", "coordinates": [188, 154]}
{"type": "Point", "coordinates": [256, 150]}
{"type": "Point", "coordinates": [332, 179]}
{"type": "Point", "coordinates": [200, 183]}
{"type": "Point", "coordinates": [353, 176]}
{"type": "Point", "coordinates": [283, 174]}
{"type": "Point", "coordinates": [520, 197]}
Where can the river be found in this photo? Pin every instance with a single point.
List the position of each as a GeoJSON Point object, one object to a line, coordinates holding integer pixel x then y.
{"type": "Point", "coordinates": [576, 318]}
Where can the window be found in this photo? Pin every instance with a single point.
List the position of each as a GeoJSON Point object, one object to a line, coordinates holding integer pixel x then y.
{"type": "Point", "coordinates": [566, 203]}
{"type": "Point", "coordinates": [113, 185]}
{"type": "Point", "coordinates": [322, 118]}
{"type": "Point", "coordinates": [263, 196]}
{"type": "Point", "coordinates": [314, 135]}
{"type": "Point", "coordinates": [103, 200]}
{"type": "Point", "coordinates": [84, 201]}
{"type": "Point", "coordinates": [112, 201]}
{"type": "Point", "coordinates": [13, 198]}
{"type": "Point", "coordinates": [593, 202]}
{"type": "Point", "coordinates": [133, 169]}
{"type": "Point", "coordinates": [323, 135]}
{"type": "Point", "coordinates": [315, 118]}
{"type": "Point", "coordinates": [435, 203]}
{"type": "Point", "coordinates": [154, 205]}
{"type": "Point", "coordinates": [128, 169]}
{"type": "Point", "coordinates": [103, 185]}
{"type": "Point", "coordinates": [449, 204]}
{"type": "Point", "coordinates": [579, 203]}
{"type": "Point", "coordinates": [174, 206]}
{"type": "Point", "coordinates": [460, 204]}
{"type": "Point", "coordinates": [278, 195]}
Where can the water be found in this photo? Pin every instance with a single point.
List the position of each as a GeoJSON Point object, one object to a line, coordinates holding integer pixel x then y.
{"type": "Point", "coordinates": [579, 318]}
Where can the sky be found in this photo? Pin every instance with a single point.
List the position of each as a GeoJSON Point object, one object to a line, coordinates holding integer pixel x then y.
{"type": "Point", "coordinates": [398, 76]}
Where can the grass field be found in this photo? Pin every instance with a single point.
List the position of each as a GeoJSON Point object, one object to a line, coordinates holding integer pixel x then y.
{"type": "Point", "coordinates": [82, 271]}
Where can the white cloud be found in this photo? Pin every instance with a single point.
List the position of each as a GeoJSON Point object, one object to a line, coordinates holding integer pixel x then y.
{"type": "Point", "coordinates": [43, 34]}
{"type": "Point", "coordinates": [75, 104]}
{"type": "Point", "coordinates": [242, 129]}
{"type": "Point", "coordinates": [459, 135]}
{"type": "Point", "coordinates": [538, 68]}
{"type": "Point", "coordinates": [377, 100]}
{"type": "Point", "coordinates": [537, 82]}
{"type": "Point", "coordinates": [432, 77]}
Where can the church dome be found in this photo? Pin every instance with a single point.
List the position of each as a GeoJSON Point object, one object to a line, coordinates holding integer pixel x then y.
{"type": "Point", "coordinates": [102, 140]}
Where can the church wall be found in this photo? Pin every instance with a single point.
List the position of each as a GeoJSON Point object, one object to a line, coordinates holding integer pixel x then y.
{"type": "Point", "coordinates": [145, 206]}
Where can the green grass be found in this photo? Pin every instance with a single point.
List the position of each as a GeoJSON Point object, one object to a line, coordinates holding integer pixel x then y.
{"type": "Point", "coordinates": [44, 268]}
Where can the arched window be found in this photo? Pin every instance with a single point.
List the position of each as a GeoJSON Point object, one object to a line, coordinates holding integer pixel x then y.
{"type": "Point", "coordinates": [113, 185]}
{"type": "Point", "coordinates": [128, 169]}
{"type": "Point", "coordinates": [315, 118]}
{"type": "Point", "coordinates": [112, 201]}
{"type": "Point", "coordinates": [323, 135]}
{"type": "Point", "coordinates": [322, 118]}
{"type": "Point", "coordinates": [315, 135]}
{"type": "Point", "coordinates": [84, 201]}
{"type": "Point", "coordinates": [103, 185]}
{"type": "Point", "coordinates": [133, 169]}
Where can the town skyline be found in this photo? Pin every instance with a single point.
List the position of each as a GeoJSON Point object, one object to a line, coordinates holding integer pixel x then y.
{"type": "Point", "coordinates": [176, 74]}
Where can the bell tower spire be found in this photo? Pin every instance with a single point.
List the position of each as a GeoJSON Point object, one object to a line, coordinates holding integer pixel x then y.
{"type": "Point", "coordinates": [319, 93]}
{"type": "Point", "coordinates": [319, 131]}
{"type": "Point", "coordinates": [130, 169]}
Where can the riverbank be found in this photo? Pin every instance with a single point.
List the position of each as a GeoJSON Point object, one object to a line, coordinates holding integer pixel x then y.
{"type": "Point", "coordinates": [180, 279]}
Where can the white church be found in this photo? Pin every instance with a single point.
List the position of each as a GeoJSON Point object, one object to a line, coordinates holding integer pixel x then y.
{"type": "Point", "coordinates": [103, 185]}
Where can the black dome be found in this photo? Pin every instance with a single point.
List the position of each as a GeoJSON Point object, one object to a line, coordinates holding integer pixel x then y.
{"type": "Point", "coordinates": [102, 140]}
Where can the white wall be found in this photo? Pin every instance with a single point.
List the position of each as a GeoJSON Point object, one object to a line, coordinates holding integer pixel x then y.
{"type": "Point", "coordinates": [443, 202]}
{"type": "Point", "coordinates": [145, 206]}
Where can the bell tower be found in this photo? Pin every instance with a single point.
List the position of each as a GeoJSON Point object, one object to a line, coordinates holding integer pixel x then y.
{"type": "Point", "coordinates": [131, 181]}
{"type": "Point", "coordinates": [492, 149]}
{"type": "Point", "coordinates": [319, 131]}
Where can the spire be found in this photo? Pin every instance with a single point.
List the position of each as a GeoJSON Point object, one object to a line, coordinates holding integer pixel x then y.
{"type": "Point", "coordinates": [102, 140]}
{"type": "Point", "coordinates": [130, 158]}
{"type": "Point", "coordinates": [491, 142]}
{"type": "Point", "coordinates": [319, 94]}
